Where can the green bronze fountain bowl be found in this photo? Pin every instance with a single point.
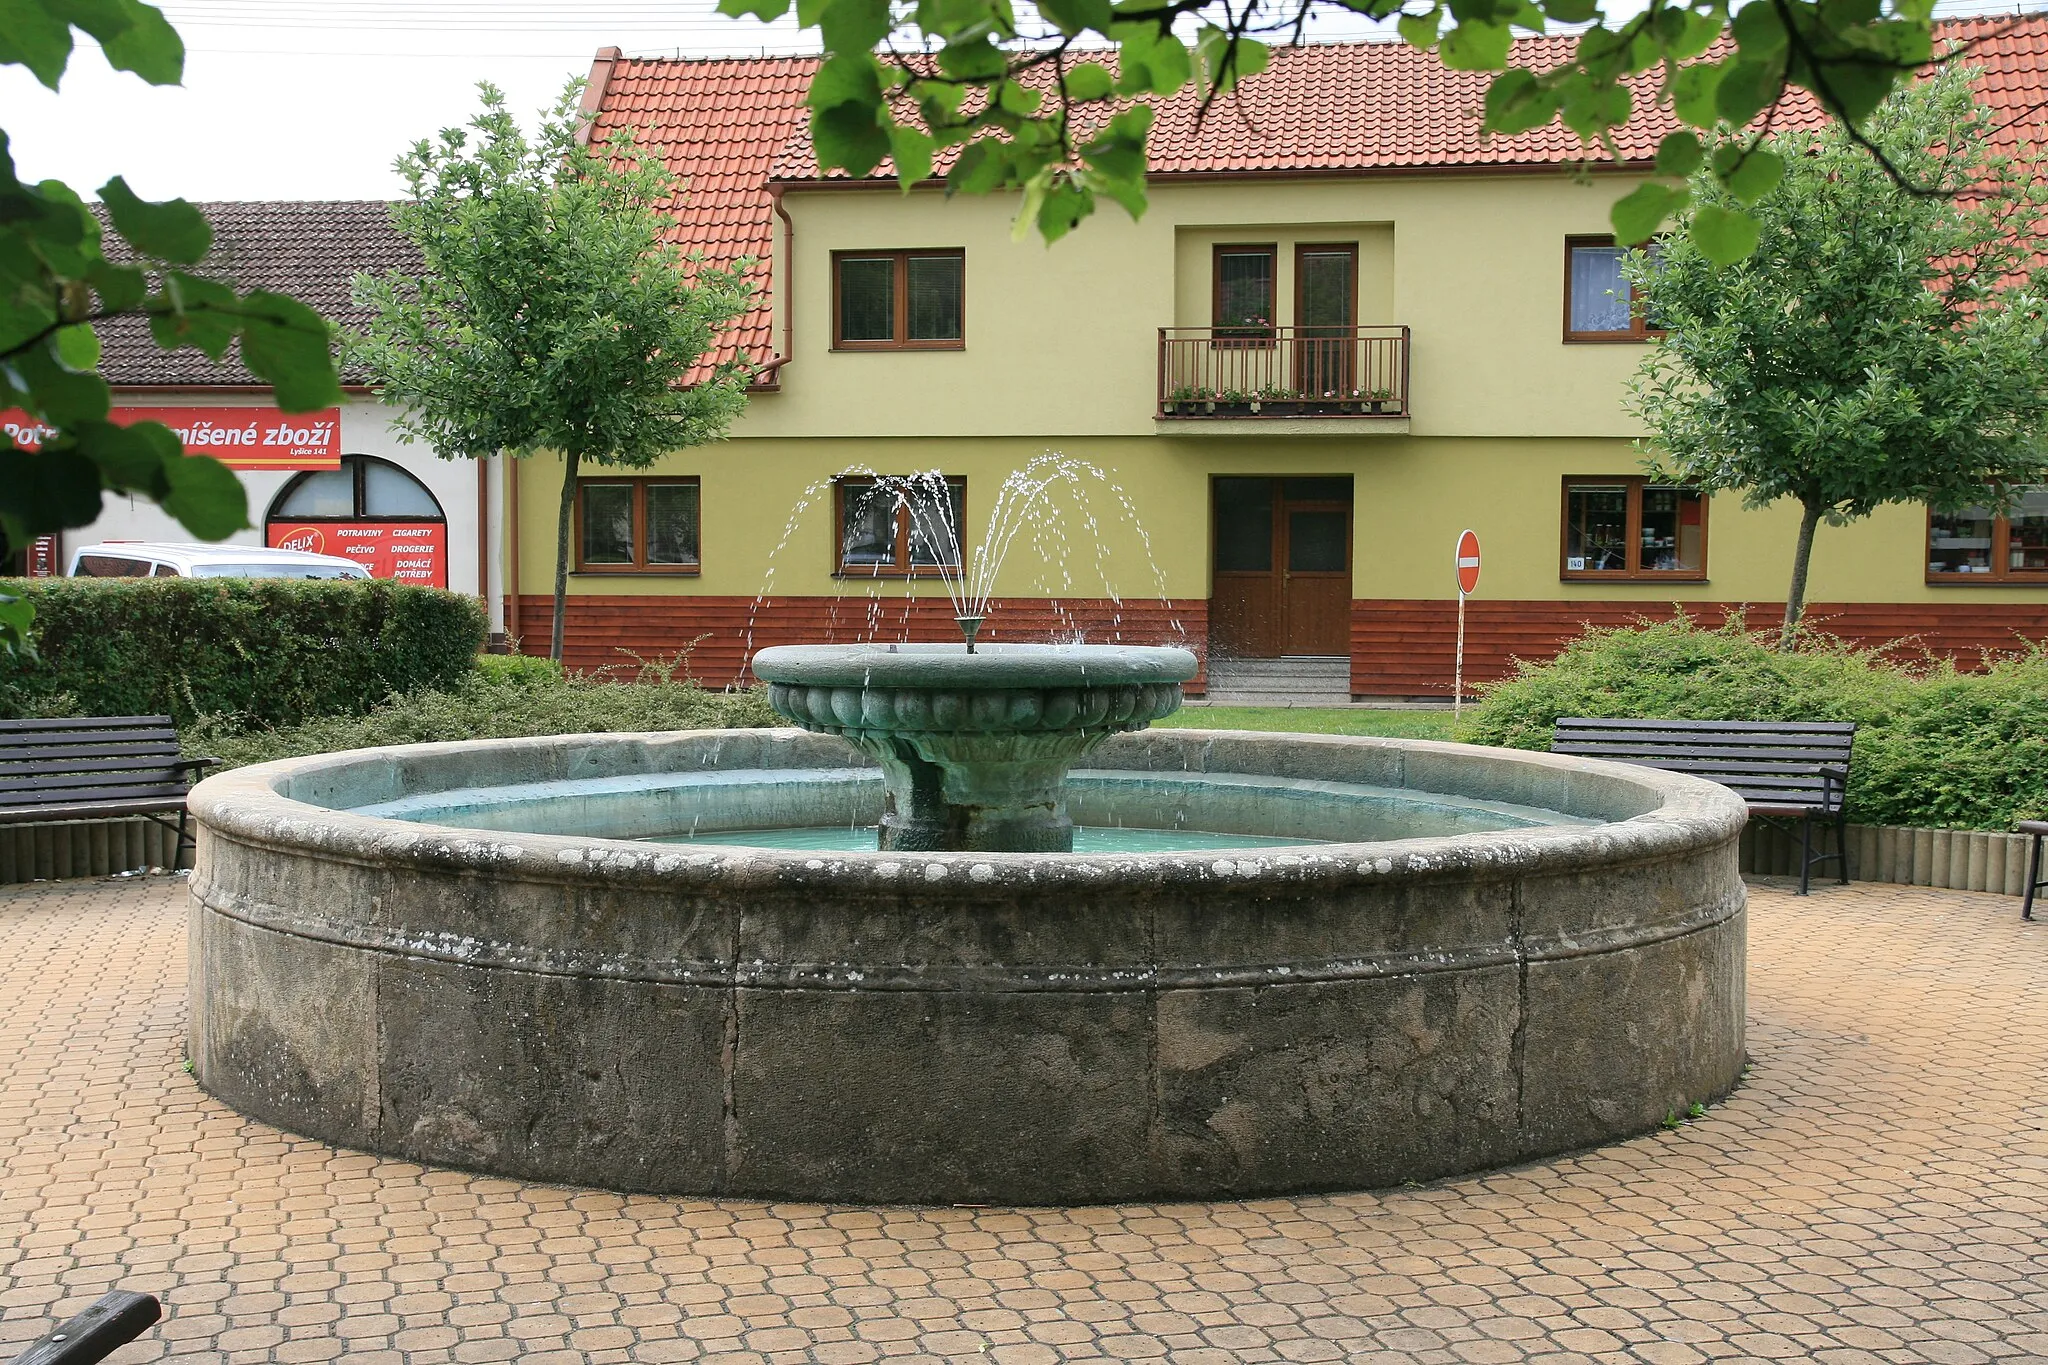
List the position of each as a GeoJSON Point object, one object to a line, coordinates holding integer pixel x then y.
{"type": "Point", "coordinates": [974, 746]}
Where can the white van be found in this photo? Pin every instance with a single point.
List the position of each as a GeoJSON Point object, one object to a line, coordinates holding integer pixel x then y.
{"type": "Point", "coordinates": [146, 559]}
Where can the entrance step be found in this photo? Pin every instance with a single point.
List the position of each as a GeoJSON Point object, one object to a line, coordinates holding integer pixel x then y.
{"type": "Point", "coordinates": [1295, 680]}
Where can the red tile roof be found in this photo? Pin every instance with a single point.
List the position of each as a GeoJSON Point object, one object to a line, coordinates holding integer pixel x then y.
{"type": "Point", "coordinates": [733, 128]}
{"type": "Point", "coordinates": [718, 126]}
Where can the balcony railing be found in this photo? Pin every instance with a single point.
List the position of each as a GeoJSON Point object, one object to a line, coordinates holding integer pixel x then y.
{"type": "Point", "coordinates": [1210, 372]}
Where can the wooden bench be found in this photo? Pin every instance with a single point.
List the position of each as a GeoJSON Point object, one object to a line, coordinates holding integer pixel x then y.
{"type": "Point", "coordinates": [1784, 770]}
{"type": "Point", "coordinates": [96, 768]}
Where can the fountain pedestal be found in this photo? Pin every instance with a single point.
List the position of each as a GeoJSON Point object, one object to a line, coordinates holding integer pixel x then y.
{"type": "Point", "coordinates": [974, 746]}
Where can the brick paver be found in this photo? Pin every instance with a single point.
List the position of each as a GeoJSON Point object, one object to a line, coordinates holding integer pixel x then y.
{"type": "Point", "coordinates": [1876, 1191]}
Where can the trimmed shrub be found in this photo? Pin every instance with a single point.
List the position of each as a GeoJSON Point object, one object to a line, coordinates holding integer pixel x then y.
{"type": "Point", "coordinates": [265, 651]}
{"type": "Point", "coordinates": [1934, 747]}
{"type": "Point", "coordinates": [493, 704]}
{"type": "Point", "coordinates": [1675, 670]}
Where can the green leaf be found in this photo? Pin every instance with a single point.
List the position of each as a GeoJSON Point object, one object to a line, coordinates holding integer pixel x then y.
{"type": "Point", "coordinates": [1063, 205]}
{"type": "Point", "coordinates": [911, 149]}
{"type": "Point", "coordinates": [1516, 102]}
{"type": "Point", "coordinates": [1476, 45]}
{"type": "Point", "coordinates": [33, 35]}
{"type": "Point", "coordinates": [1724, 236]}
{"type": "Point", "coordinates": [767, 11]}
{"type": "Point", "coordinates": [1695, 35]}
{"type": "Point", "coordinates": [121, 287]}
{"type": "Point", "coordinates": [1693, 93]}
{"type": "Point", "coordinates": [1679, 153]}
{"type": "Point", "coordinates": [1149, 63]}
{"type": "Point", "coordinates": [1226, 60]}
{"type": "Point", "coordinates": [1089, 81]}
{"type": "Point", "coordinates": [206, 497]}
{"type": "Point", "coordinates": [1747, 88]}
{"type": "Point", "coordinates": [853, 78]}
{"type": "Point", "coordinates": [78, 346]}
{"type": "Point", "coordinates": [51, 490]}
{"type": "Point", "coordinates": [146, 44]}
{"type": "Point", "coordinates": [16, 617]}
{"type": "Point", "coordinates": [63, 396]}
{"type": "Point", "coordinates": [132, 458]}
{"type": "Point", "coordinates": [1571, 11]}
{"type": "Point", "coordinates": [854, 25]}
{"type": "Point", "coordinates": [1759, 30]}
{"type": "Point", "coordinates": [1420, 30]}
{"type": "Point", "coordinates": [172, 231]}
{"type": "Point", "coordinates": [1749, 175]}
{"type": "Point", "coordinates": [1639, 214]}
{"type": "Point", "coordinates": [980, 167]}
{"type": "Point", "coordinates": [288, 344]}
{"type": "Point", "coordinates": [1077, 16]}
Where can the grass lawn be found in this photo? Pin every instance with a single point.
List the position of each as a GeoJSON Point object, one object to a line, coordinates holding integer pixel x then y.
{"type": "Point", "coordinates": [1315, 720]}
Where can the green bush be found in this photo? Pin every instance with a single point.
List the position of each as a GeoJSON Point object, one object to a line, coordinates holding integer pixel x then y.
{"type": "Point", "coordinates": [1676, 670]}
{"type": "Point", "coordinates": [517, 670]}
{"type": "Point", "coordinates": [1934, 746]}
{"type": "Point", "coordinates": [267, 651]}
{"type": "Point", "coordinates": [492, 703]}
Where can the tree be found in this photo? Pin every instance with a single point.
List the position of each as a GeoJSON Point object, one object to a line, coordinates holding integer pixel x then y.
{"type": "Point", "coordinates": [1877, 347]}
{"type": "Point", "coordinates": [56, 282]}
{"type": "Point", "coordinates": [1038, 113]}
{"type": "Point", "coordinates": [551, 315]}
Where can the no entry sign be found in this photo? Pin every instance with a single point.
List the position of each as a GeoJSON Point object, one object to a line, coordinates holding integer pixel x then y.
{"type": "Point", "coordinates": [1468, 563]}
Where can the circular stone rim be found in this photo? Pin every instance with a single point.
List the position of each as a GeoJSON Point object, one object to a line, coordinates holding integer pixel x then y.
{"type": "Point", "coordinates": [949, 667]}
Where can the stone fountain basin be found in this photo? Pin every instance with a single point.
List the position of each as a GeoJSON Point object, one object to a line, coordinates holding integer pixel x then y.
{"type": "Point", "coordinates": [965, 1027]}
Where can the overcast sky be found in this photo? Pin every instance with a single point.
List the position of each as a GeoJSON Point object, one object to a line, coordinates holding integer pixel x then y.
{"type": "Point", "coordinates": [313, 99]}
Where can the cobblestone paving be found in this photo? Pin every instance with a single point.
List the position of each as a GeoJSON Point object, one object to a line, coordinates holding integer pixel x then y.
{"type": "Point", "coordinates": [1876, 1191]}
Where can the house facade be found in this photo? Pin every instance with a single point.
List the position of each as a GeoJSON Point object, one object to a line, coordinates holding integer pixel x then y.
{"type": "Point", "coordinates": [339, 481]}
{"type": "Point", "coordinates": [1347, 329]}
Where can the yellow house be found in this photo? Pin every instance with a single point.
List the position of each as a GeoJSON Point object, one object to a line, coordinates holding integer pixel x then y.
{"type": "Point", "coordinates": [1347, 329]}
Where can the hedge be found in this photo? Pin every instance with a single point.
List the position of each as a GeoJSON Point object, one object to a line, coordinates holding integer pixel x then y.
{"type": "Point", "coordinates": [504, 698]}
{"type": "Point", "coordinates": [254, 651]}
{"type": "Point", "coordinates": [1935, 747]}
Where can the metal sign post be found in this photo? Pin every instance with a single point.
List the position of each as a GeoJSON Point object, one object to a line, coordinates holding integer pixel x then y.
{"type": "Point", "coordinates": [1467, 564]}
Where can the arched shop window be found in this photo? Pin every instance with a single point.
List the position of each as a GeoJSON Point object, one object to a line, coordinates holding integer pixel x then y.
{"type": "Point", "coordinates": [369, 510]}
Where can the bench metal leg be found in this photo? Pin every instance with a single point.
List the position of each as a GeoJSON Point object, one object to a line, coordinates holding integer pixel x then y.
{"type": "Point", "coordinates": [2033, 879]}
{"type": "Point", "coordinates": [1805, 850]}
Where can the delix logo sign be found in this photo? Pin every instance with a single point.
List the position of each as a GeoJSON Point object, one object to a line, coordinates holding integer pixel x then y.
{"type": "Point", "coordinates": [307, 538]}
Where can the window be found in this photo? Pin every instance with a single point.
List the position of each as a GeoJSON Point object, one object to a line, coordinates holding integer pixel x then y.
{"type": "Point", "coordinates": [1242, 309]}
{"type": "Point", "coordinates": [1598, 304]}
{"type": "Point", "coordinates": [898, 300]}
{"type": "Point", "coordinates": [364, 488]}
{"type": "Point", "coordinates": [900, 525]}
{"type": "Point", "coordinates": [1977, 546]}
{"type": "Point", "coordinates": [637, 526]}
{"type": "Point", "coordinates": [1625, 527]}
{"type": "Point", "coordinates": [111, 566]}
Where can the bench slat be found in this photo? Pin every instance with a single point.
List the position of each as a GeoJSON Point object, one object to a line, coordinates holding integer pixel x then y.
{"type": "Point", "coordinates": [75, 739]}
{"type": "Point", "coordinates": [161, 759]}
{"type": "Point", "coordinates": [89, 810]}
{"type": "Point", "coordinates": [127, 785]}
{"type": "Point", "coordinates": [1706, 752]}
{"type": "Point", "coordinates": [85, 723]}
{"type": "Point", "coordinates": [1818, 727]}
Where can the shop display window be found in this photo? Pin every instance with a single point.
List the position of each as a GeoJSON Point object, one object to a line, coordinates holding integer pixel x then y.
{"type": "Point", "coordinates": [1978, 545]}
{"type": "Point", "coordinates": [1630, 528]}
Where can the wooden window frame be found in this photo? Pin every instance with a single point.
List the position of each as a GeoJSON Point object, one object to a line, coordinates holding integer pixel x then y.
{"type": "Point", "coordinates": [1632, 534]}
{"type": "Point", "coordinates": [2001, 575]}
{"type": "Point", "coordinates": [901, 567]}
{"type": "Point", "coordinates": [1216, 325]}
{"type": "Point", "coordinates": [640, 485]}
{"type": "Point", "coordinates": [1639, 331]}
{"type": "Point", "coordinates": [901, 288]}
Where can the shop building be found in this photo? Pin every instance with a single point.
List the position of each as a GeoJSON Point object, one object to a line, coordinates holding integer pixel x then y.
{"type": "Point", "coordinates": [1347, 328]}
{"type": "Point", "coordinates": [338, 481]}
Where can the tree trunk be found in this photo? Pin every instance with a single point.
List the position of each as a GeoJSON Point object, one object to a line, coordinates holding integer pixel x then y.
{"type": "Point", "coordinates": [562, 523]}
{"type": "Point", "coordinates": [1802, 555]}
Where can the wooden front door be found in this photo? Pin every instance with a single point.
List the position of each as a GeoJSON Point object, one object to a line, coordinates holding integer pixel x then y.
{"type": "Point", "coordinates": [1282, 577]}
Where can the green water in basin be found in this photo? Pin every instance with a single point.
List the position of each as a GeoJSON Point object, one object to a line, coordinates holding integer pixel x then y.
{"type": "Point", "coordinates": [1087, 839]}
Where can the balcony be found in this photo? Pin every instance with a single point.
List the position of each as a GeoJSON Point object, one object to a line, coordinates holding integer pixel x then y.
{"type": "Point", "coordinates": [1230, 380]}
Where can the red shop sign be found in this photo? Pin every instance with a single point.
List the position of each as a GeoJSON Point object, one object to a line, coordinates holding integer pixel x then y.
{"type": "Point", "coordinates": [409, 551]}
{"type": "Point", "coordinates": [240, 438]}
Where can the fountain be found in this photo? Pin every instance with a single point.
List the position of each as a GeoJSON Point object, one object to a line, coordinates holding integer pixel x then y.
{"type": "Point", "coordinates": [858, 960]}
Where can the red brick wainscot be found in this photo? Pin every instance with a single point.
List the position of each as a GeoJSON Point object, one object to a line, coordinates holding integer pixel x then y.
{"type": "Point", "coordinates": [1405, 648]}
